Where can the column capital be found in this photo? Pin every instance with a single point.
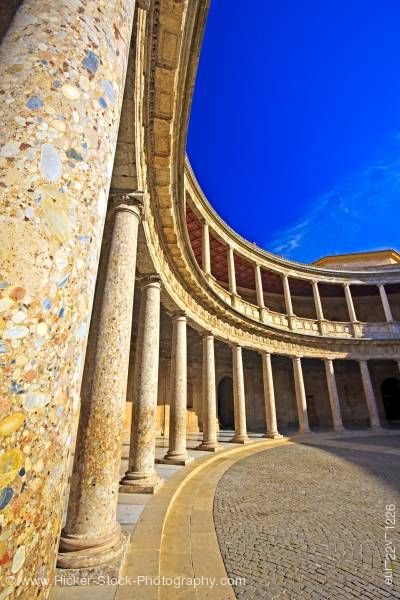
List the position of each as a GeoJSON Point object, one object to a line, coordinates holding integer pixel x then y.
{"type": "Point", "coordinates": [235, 345]}
{"type": "Point", "coordinates": [144, 4]}
{"type": "Point", "coordinates": [179, 315]}
{"type": "Point", "coordinates": [265, 353]}
{"type": "Point", "coordinates": [151, 279]}
{"type": "Point", "coordinates": [327, 359]}
{"type": "Point", "coordinates": [207, 334]}
{"type": "Point", "coordinates": [126, 201]}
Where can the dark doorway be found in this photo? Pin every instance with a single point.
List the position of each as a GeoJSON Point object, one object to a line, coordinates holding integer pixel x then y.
{"type": "Point", "coordinates": [225, 403]}
{"type": "Point", "coordinates": [390, 390]}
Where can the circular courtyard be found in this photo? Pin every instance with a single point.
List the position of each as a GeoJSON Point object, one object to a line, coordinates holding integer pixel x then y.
{"type": "Point", "coordinates": [307, 520]}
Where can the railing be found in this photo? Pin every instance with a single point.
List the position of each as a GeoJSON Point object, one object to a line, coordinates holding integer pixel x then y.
{"type": "Point", "coordinates": [337, 328]}
{"type": "Point", "coordinates": [304, 325]}
{"type": "Point", "coordinates": [378, 331]}
{"type": "Point", "coordinates": [342, 329]}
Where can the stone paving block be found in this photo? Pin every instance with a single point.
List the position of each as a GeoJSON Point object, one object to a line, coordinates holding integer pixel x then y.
{"type": "Point", "coordinates": [308, 520]}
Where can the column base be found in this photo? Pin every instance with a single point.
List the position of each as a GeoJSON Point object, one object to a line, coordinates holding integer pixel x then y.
{"type": "Point", "coordinates": [339, 429]}
{"type": "Point", "coordinates": [144, 485]}
{"type": "Point", "coordinates": [208, 447]}
{"type": "Point", "coordinates": [90, 556]}
{"type": "Point", "coordinates": [240, 439]}
{"type": "Point", "coordinates": [303, 431]}
{"type": "Point", "coordinates": [376, 428]}
{"type": "Point", "coordinates": [273, 436]}
{"type": "Point", "coordinates": [175, 460]}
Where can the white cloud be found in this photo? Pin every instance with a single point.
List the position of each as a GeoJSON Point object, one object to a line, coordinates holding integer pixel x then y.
{"type": "Point", "coordinates": [353, 215]}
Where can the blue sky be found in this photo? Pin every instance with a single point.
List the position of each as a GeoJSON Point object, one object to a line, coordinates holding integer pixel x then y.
{"type": "Point", "coordinates": [295, 126]}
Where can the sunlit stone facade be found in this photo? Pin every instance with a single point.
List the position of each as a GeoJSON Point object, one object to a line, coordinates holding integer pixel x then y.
{"type": "Point", "coordinates": [95, 192]}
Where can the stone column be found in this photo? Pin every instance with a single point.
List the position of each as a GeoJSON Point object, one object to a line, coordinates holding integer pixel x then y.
{"type": "Point", "coordinates": [177, 453]}
{"type": "Point", "coordinates": [141, 476]}
{"type": "Point", "coordinates": [385, 304]}
{"type": "Point", "coordinates": [231, 271]}
{"type": "Point", "coordinates": [259, 286]}
{"type": "Point", "coordinates": [56, 154]}
{"type": "Point", "coordinates": [288, 300]}
{"type": "Point", "coordinates": [239, 398]}
{"type": "Point", "coordinates": [300, 395]}
{"type": "Point", "coordinates": [333, 395]}
{"type": "Point", "coordinates": [317, 301]}
{"type": "Point", "coordinates": [209, 400]}
{"type": "Point", "coordinates": [269, 397]}
{"type": "Point", "coordinates": [206, 257]}
{"type": "Point", "coordinates": [369, 395]}
{"type": "Point", "coordinates": [350, 304]}
{"type": "Point", "coordinates": [91, 535]}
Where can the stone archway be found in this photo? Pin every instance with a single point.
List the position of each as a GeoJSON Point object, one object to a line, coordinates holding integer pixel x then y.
{"type": "Point", "coordinates": [390, 390]}
{"type": "Point", "coordinates": [225, 403]}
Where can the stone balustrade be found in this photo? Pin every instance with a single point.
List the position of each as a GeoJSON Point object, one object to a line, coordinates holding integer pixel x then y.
{"type": "Point", "coordinates": [260, 311]}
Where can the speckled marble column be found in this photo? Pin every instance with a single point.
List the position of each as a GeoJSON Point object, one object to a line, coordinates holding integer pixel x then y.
{"type": "Point", "coordinates": [141, 476]}
{"type": "Point", "coordinates": [239, 397]}
{"type": "Point", "coordinates": [62, 73]}
{"type": "Point", "coordinates": [177, 452]}
{"type": "Point", "coordinates": [333, 395]}
{"type": "Point", "coordinates": [369, 395]}
{"type": "Point", "coordinates": [269, 398]}
{"type": "Point", "coordinates": [91, 535]}
{"type": "Point", "coordinates": [301, 400]}
{"type": "Point", "coordinates": [209, 396]}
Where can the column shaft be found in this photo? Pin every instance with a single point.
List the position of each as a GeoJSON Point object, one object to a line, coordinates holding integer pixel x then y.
{"type": "Point", "coordinates": [141, 476]}
{"type": "Point", "coordinates": [91, 534]}
{"type": "Point", "coordinates": [52, 211]}
{"type": "Point", "coordinates": [300, 395]}
{"type": "Point", "coordinates": [333, 395]}
{"type": "Point", "coordinates": [239, 399]}
{"type": "Point", "coordinates": [269, 397]}
{"type": "Point", "coordinates": [231, 271]}
{"type": "Point", "coordinates": [350, 304]}
{"type": "Point", "coordinates": [177, 453]}
{"type": "Point", "coordinates": [317, 301]}
{"type": "Point", "coordinates": [288, 301]}
{"type": "Point", "coordinates": [206, 257]}
{"type": "Point", "coordinates": [209, 396]}
{"type": "Point", "coordinates": [369, 395]}
{"type": "Point", "coordinates": [386, 304]}
{"type": "Point", "coordinates": [259, 286]}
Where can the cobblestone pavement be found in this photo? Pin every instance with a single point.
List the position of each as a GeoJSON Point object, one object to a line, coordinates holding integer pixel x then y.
{"type": "Point", "coordinates": [307, 520]}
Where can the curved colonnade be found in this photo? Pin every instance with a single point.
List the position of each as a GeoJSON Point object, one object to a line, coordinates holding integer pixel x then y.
{"type": "Point", "coordinates": [100, 66]}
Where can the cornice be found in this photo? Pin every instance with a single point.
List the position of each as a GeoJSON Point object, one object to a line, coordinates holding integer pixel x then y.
{"type": "Point", "coordinates": [169, 40]}
{"type": "Point", "coordinates": [273, 261]}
